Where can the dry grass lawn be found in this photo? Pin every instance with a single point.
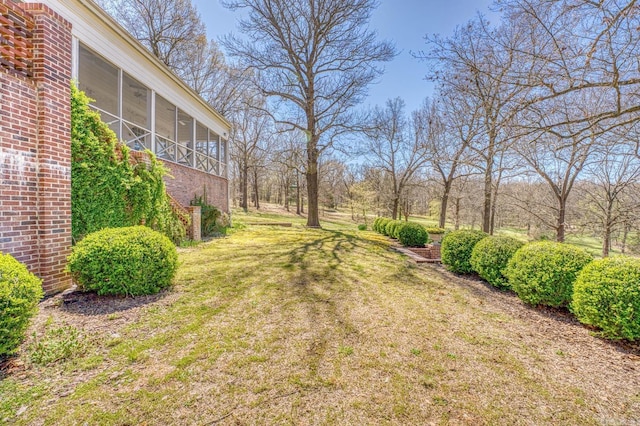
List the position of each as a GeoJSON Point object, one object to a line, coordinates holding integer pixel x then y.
{"type": "Point", "coordinates": [293, 326]}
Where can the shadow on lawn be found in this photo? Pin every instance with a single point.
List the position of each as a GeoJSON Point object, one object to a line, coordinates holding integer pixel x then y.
{"type": "Point", "coordinates": [557, 316]}
{"type": "Point", "coordinates": [78, 302]}
{"type": "Point", "coordinates": [326, 249]}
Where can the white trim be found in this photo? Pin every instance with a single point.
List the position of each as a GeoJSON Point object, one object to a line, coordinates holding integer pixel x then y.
{"type": "Point", "coordinates": [101, 33]}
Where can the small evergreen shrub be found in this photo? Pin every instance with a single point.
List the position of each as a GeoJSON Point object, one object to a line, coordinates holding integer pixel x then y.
{"type": "Point", "coordinates": [606, 295]}
{"type": "Point", "coordinates": [209, 216]}
{"type": "Point", "coordinates": [543, 273]}
{"type": "Point", "coordinates": [434, 230]}
{"type": "Point", "coordinates": [490, 256]}
{"type": "Point", "coordinates": [391, 229]}
{"type": "Point", "coordinates": [456, 249]}
{"type": "Point", "coordinates": [382, 225]}
{"type": "Point", "coordinates": [376, 224]}
{"type": "Point", "coordinates": [20, 292]}
{"type": "Point", "coordinates": [362, 227]}
{"type": "Point", "coordinates": [412, 235]}
{"type": "Point", "coordinates": [127, 261]}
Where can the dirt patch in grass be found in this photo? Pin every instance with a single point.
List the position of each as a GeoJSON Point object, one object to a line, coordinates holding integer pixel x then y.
{"type": "Point", "coordinates": [298, 326]}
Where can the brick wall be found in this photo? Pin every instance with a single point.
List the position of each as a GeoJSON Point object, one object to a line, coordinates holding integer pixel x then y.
{"type": "Point", "coordinates": [35, 144]}
{"type": "Point", "coordinates": [188, 182]}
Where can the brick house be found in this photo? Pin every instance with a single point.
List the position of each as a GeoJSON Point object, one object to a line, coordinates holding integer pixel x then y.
{"type": "Point", "coordinates": [43, 47]}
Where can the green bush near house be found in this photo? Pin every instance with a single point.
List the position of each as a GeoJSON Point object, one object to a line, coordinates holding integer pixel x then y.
{"type": "Point", "coordinates": [108, 188]}
{"type": "Point", "coordinates": [412, 235]}
{"type": "Point", "coordinates": [209, 215]}
{"type": "Point", "coordinates": [606, 295]}
{"type": "Point", "coordinates": [20, 292]}
{"type": "Point", "coordinates": [127, 261]}
{"type": "Point", "coordinates": [543, 273]}
{"type": "Point", "coordinates": [456, 249]}
{"type": "Point", "coordinates": [490, 256]}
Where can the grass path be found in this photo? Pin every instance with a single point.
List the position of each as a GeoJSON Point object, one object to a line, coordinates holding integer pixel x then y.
{"type": "Point", "coordinates": [296, 326]}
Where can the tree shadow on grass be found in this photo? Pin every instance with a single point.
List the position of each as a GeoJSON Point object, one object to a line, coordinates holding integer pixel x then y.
{"type": "Point", "coordinates": [325, 249]}
{"type": "Point", "coordinates": [88, 303]}
{"type": "Point", "coordinates": [508, 298]}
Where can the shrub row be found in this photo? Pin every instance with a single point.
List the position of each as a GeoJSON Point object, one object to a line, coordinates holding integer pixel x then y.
{"type": "Point", "coordinates": [410, 234]}
{"type": "Point", "coordinates": [603, 293]}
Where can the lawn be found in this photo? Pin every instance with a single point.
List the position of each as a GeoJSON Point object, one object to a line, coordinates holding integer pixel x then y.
{"type": "Point", "coordinates": [274, 325]}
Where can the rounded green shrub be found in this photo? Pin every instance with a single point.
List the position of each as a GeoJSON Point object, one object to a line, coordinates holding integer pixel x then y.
{"type": "Point", "coordinates": [376, 224]}
{"type": "Point", "coordinates": [456, 249]}
{"type": "Point", "coordinates": [362, 227]}
{"type": "Point", "coordinates": [392, 228]}
{"type": "Point", "coordinates": [606, 295]}
{"type": "Point", "coordinates": [490, 256]}
{"type": "Point", "coordinates": [412, 235]}
{"type": "Point", "coordinates": [434, 230]}
{"type": "Point", "coordinates": [128, 261]}
{"type": "Point", "coordinates": [20, 292]}
{"type": "Point", "coordinates": [543, 272]}
{"type": "Point", "coordinates": [382, 225]}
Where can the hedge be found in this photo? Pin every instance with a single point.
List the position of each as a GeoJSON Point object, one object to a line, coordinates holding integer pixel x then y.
{"type": "Point", "coordinates": [543, 273]}
{"type": "Point", "coordinates": [490, 256]}
{"type": "Point", "coordinates": [606, 295]}
{"type": "Point", "coordinates": [456, 249]}
{"type": "Point", "coordinates": [412, 235]}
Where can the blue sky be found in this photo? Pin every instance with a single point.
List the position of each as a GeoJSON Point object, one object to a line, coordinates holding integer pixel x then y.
{"type": "Point", "coordinates": [405, 22]}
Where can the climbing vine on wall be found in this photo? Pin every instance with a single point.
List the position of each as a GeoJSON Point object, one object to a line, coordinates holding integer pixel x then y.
{"type": "Point", "coordinates": [108, 188]}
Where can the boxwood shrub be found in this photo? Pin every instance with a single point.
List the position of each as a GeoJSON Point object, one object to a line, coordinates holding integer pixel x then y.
{"type": "Point", "coordinates": [606, 295]}
{"type": "Point", "coordinates": [20, 292]}
{"type": "Point", "coordinates": [382, 225]}
{"type": "Point", "coordinates": [434, 230]}
{"type": "Point", "coordinates": [456, 249]}
{"type": "Point", "coordinates": [543, 273]}
{"type": "Point", "coordinates": [391, 228]}
{"type": "Point", "coordinates": [490, 256]}
{"type": "Point", "coordinates": [412, 235]}
{"type": "Point", "coordinates": [128, 261]}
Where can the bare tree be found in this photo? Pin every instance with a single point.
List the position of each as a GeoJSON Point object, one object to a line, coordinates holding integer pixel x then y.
{"type": "Point", "coordinates": [174, 32]}
{"type": "Point", "coordinates": [473, 64]}
{"type": "Point", "coordinates": [251, 132]}
{"type": "Point", "coordinates": [314, 59]}
{"type": "Point", "coordinates": [398, 146]}
{"type": "Point", "coordinates": [611, 177]}
{"type": "Point", "coordinates": [455, 123]}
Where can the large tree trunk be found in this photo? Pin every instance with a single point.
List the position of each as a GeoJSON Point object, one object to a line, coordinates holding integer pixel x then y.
{"type": "Point", "coordinates": [486, 212]}
{"type": "Point", "coordinates": [255, 187]}
{"type": "Point", "coordinates": [560, 226]}
{"type": "Point", "coordinates": [625, 234]}
{"type": "Point", "coordinates": [606, 238]}
{"type": "Point", "coordinates": [286, 193]}
{"type": "Point", "coordinates": [394, 211]}
{"type": "Point", "coordinates": [244, 188]}
{"type": "Point", "coordinates": [443, 204]}
{"type": "Point", "coordinates": [297, 193]}
{"type": "Point", "coordinates": [313, 220]}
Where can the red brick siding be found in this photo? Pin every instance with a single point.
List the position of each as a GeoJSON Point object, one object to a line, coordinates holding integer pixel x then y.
{"type": "Point", "coordinates": [187, 182]}
{"type": "Point", "coordinates": [35, 156]}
